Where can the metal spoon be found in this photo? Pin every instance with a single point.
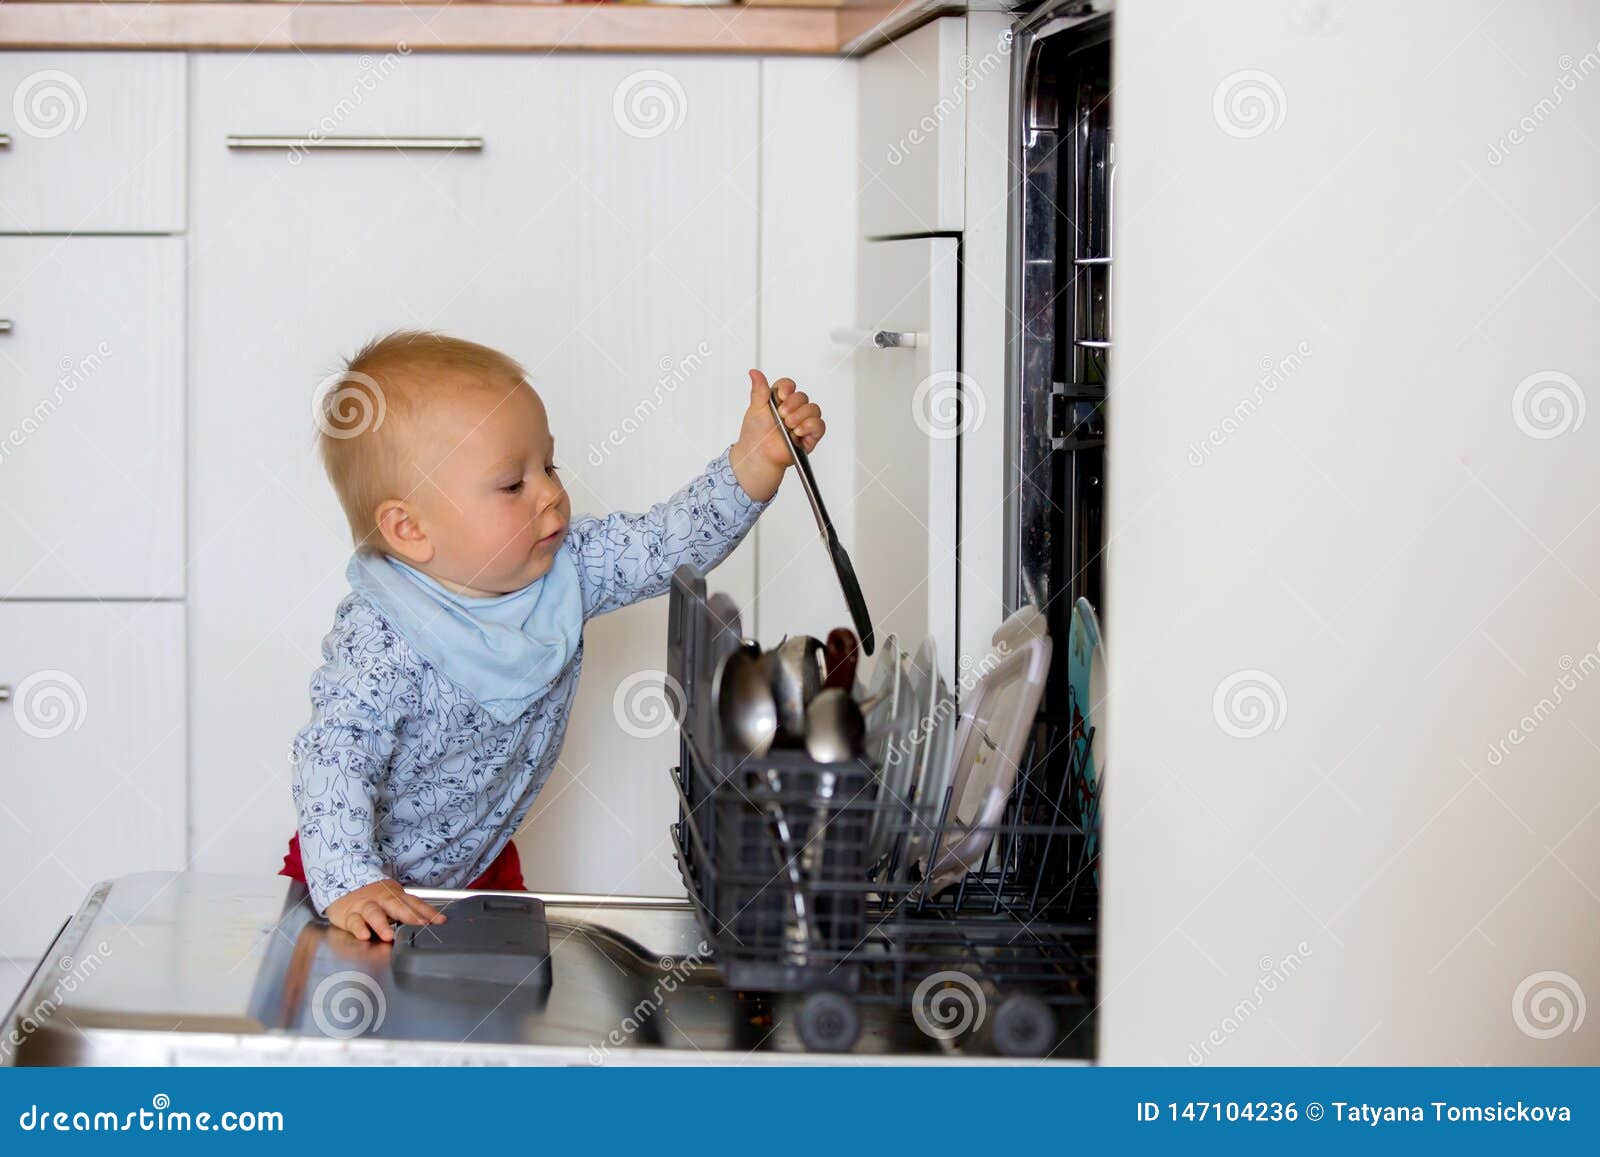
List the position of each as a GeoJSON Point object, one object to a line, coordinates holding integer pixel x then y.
{"type": "Point", "coordinates": [834, 733]}
{"type": "Point", "coordinates": [795, 672]}
{"type": "Point", "coordinates": [834, 727]}
{"type": "Point", "coordinates": [749, 719]}
{"type": "Point", "coordinates": [745, 709]}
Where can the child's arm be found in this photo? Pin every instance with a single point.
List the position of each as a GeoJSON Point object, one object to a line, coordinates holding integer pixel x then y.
{"type": "Point", "coordinates": [339, 758]}
{"type": "Point", "coordinates": [623, 558]}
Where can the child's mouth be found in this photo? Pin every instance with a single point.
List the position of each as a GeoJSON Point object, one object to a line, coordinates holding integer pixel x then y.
{"type": "Point", "coordinates": [553, 537]}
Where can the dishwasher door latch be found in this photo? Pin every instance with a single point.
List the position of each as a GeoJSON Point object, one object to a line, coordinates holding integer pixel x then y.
{"type": "Point", "coordinates": [1077, 416]}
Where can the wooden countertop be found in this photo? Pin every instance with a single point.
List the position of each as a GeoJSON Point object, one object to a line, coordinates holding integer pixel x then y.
{"type": "Point", "coordinates": [764, 26]}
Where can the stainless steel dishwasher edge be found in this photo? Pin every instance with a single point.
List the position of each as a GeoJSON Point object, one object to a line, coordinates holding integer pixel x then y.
{"type": "Point", "coordinates": [190, 968]}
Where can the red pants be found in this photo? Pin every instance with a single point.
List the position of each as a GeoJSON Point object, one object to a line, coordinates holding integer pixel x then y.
{"type": "Point", "coordinates": [504, 874]}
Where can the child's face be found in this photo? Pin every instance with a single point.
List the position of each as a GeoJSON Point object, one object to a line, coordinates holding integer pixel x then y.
{"type": "Point", "coordinates": [487, 512]}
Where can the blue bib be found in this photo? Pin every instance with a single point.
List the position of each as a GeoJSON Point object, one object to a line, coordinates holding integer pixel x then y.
{"type": "Point", "coordinates": [503, 650]}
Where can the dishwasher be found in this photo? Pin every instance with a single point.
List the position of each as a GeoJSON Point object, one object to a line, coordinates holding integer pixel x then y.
{"type": "Point", "coordinates": [164, 968]}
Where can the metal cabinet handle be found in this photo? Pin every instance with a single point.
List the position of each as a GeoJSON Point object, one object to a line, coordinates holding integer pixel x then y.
{"type": "Point", "coordinates": [5, 140]}
{"type": "Point", "coordinates": [306, 144]}
{"type": "Point", "coordinates": [5, 325]}
{"type": "Point", "coordinates": [883, 339]}
{"type": "Point", "coordinates": [5, 692]}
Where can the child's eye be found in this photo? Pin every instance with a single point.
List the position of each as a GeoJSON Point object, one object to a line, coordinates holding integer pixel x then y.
{"type": "Point", "coordinates": [514, 488]}
{"type": "Point", "coordinates": [552, 469]}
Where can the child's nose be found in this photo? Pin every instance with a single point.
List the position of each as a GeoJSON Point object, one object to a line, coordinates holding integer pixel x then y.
{"type": "Point", "coordinates": [549, 491]}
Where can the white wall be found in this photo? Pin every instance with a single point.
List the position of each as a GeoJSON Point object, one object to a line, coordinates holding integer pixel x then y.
{"type": "Point", "coordinates": [1406, 568]}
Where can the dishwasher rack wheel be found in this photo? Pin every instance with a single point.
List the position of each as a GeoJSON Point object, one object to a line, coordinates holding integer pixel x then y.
{"type": "Point", "coordinates": [829, 1022]}
{"type": "Point", "coordinates": [1024, 1026]}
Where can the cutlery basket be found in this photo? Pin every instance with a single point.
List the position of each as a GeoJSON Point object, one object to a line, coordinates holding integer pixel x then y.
{"type": "Point", "coordinates": [772, 850]}
{"type": "Point", "coordinates": [773, 854]}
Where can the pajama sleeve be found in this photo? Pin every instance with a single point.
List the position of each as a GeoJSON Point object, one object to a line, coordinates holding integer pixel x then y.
{"type": "Point", "coordinates": [623, 558]}
{"type": "Point", "coordinates": [342, 755]}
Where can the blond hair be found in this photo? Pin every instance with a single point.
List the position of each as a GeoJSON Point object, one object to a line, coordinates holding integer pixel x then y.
{"type": "Point", "coordinates": [363, 410]}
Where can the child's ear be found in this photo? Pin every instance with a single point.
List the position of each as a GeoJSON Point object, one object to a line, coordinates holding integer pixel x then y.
{"type": "Point", "coordinates": [402, 533]}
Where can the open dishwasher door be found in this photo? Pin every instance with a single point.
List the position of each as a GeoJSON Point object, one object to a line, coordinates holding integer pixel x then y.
{"type": "Point", "coordinates": [162, 968]}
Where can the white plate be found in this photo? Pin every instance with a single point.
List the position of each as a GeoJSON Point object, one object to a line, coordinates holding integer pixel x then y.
{"type": "Point", "coordinates": [934, 770]}
{"type": "Point", "coordinates": [882, 696]}
{"type": "Point", "coordinates": [990, 741]}
{"type": "Point", "coordinates": [903, 751]}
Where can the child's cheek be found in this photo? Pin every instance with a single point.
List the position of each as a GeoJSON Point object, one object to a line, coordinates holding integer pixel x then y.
{"type": "Point", "coordinates": [527, 531]}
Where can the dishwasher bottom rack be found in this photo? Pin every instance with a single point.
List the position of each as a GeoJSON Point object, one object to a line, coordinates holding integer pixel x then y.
{"type": "Point", "coordinates": [772, 853]}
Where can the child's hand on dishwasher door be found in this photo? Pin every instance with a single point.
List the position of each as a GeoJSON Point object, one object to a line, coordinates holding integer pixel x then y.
{"type": "Point", "coordinates": [366, 912]}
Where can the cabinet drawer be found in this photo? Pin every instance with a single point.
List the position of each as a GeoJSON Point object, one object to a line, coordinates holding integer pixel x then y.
{"type": "Point", "coordinates": [95, 142]}
{"type": "Point", "coordinates": [92, 741]}
{"type": "Point", "coordinates": [913, 132]}
{"type": "Point", "coordinates": [91, 417]}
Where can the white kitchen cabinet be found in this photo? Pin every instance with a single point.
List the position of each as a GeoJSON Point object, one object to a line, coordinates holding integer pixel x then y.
{"type": "Point", "coordinates": [91, 417]}
{"type": "Point", "coordinates": [932, 160]}
{"type": "Point", "coordinates": [94, 142]}
{"type": "Point", "coordinates": [912, 139]}
{"type": "Point", "coordinates": [613, 254]}
{"type": "Point", "coordinates": [908, 416]}
{"type": "Point", "coordinates": [92, 742]}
